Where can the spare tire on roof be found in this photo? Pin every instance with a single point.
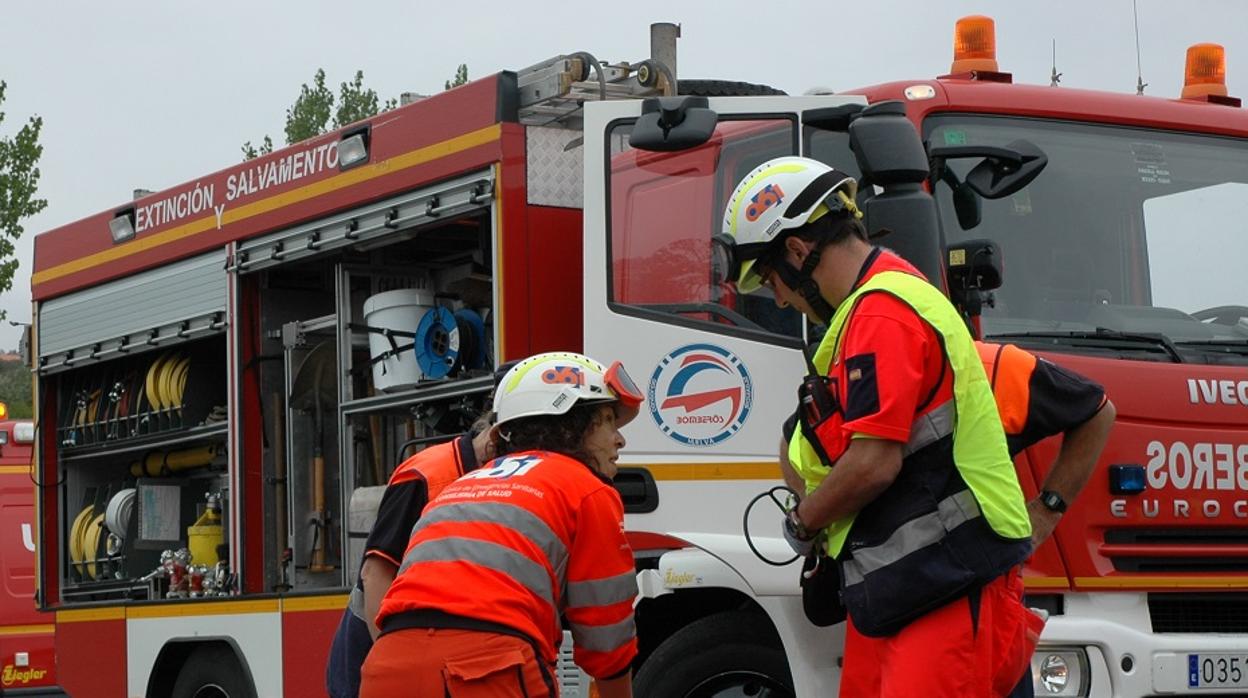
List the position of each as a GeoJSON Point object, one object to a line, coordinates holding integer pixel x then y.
{"type": "Point", "coordinates": [725, 88]}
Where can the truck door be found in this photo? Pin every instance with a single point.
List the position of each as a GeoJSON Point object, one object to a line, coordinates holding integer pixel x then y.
{"type": "Point", "coordinates": [719, 369]}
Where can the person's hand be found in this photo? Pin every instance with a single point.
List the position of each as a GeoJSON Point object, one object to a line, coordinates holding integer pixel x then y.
{"type": "Point", "coordinates": [1043, 521]}
{"type": "Point", "coordinates": [798, 538]}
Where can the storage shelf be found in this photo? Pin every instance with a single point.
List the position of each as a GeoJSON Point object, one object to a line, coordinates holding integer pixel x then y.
{"type": "Point", "coordinates": [146, 442]}
{"type": "Point", "coordinates": [107, 589]}
{"type": "Point", "coordinates": [430, 392]}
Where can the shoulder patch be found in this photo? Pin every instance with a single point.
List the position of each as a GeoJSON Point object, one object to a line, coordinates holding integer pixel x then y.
{"type": "Point", "coordinates": [862, 393]}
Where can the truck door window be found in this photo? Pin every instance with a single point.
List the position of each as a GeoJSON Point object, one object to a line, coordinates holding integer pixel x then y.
{"type": "Point", "coordinates": [832, 148]}
{"type": "Point", "coordinates": [664, 208]}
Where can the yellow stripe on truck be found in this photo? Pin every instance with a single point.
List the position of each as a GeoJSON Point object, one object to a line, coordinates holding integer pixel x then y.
{"type": "Point", "coordinates": [295, 604]}
{"type": "Point", "coordinates": [712, 471]}
{"type": "Point", "coordinates": [1161, 582]}
{"type": "Point", "coordinates": [211, 608]}
{"type": "Point", "coordinates": [420, 156]}
{"type": "Point", "coordinates": [27, 629]}
{"type": "Point", "coordinates": [86, 615]}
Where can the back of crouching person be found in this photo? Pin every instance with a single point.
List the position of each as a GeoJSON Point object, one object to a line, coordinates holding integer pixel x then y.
{"type": "Point", "coordinates": [505, 551]}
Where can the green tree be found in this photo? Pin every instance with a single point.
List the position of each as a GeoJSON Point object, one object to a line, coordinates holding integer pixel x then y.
{"type": "Point", "coordinates": [355, 102]}
{"type": "Point", "coordinates": [314, 112]}
{"type": "Point", "coordinates": [19, 182]}
{"type": "Point", "coordinates": [461, 76]}
{"type": "Point", "coordinates": [250, 151]}
{"type": "Point", "coordinates": [15, 389]}
{"type": "Point", "coordinates": [309, 115]}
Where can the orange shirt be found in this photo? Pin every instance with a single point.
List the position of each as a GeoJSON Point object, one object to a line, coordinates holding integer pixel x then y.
{"type": "Point", "coordinates": [519, 542]}
{"type": "Point", "coordinates": [416, 481]}
{"type": "Point", "coordinates": [1036, 398]}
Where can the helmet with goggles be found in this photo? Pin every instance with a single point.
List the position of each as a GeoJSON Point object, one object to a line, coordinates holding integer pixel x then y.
{"type": "Point", "coordinates": [779, 196]}
{"type": "Point", "coordinates": [555, 382]}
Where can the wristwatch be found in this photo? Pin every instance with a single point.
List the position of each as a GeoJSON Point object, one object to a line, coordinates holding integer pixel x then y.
{"type": "Point", "coordinates": [1053, 501]}
{"type": "Point", "coordinates": [795, 526]}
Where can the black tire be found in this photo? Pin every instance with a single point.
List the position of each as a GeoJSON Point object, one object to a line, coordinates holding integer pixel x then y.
{"type": "Point", "coordinates": [213, 671]}
{"type": "Point", "coordinates": [725, 88]}
{"type": "Point", "coordinates": [735, 653]}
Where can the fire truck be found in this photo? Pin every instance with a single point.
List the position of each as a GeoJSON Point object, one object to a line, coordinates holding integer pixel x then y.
{"type": "Point", "coordinates": [27, 665]}
{"type": "Point", "coordinates": [227, 370]}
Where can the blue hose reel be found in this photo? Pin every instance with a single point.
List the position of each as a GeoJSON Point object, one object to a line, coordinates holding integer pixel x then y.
{"type": "Point", "coordinates": [437, 343]}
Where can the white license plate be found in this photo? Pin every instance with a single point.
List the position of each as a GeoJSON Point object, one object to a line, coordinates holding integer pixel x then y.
{"type": "Point", "coordinates": [1217, 670]}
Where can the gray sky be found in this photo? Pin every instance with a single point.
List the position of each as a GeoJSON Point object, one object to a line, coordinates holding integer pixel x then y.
{"type": "Point", "coordinates": [153, 94]}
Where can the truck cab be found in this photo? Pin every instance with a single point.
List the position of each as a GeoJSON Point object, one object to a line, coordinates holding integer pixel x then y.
{"type": "Point", "coordinates": [27, 661]}
{"type": "Point", "coordinates": [1120, 261]}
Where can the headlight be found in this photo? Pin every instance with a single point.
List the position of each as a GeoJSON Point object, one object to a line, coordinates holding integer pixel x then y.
{"type": "Point", "coordinates": [1059, 671]}
{"type": "Point", "coordinates": [24, 432]}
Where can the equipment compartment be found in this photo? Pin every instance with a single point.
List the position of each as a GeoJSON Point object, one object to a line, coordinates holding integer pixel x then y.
{"type": "Point", "coordinates": [369, 351]}
{"type": "Point", "coordinates": [141, 444]}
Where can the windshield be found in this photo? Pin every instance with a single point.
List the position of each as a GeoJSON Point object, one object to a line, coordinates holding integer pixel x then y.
{"type": "Point", "coordinates": [1127, 232]}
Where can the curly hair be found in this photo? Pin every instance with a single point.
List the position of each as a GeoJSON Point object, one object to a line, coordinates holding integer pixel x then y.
{"type": "Point", "coordinates": [562, 433]}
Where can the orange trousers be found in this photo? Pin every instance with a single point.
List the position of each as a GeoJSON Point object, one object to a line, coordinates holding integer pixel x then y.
{"type": "Point", "coordinates": [436, 663]}
{"type": "Point", "coordinates": [946, 653]}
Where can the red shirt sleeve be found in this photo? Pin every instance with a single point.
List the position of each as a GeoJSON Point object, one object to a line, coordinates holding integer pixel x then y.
{"type": "Point", "coordinates": [891, 368]}
{"type": "Point", "coordinates": [602, 584]}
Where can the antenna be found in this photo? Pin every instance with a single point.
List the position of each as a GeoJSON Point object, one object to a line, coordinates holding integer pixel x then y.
{"type": "Point", "coordinates": [1054, 77]}
{"type": "Point", "coordinates": [1139, 72]}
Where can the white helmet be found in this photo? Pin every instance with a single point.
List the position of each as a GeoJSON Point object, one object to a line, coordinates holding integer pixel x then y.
{"type": "Point", "coordinates": [781, 194]}
{"type": "Point", "coordinates": [552, 383]}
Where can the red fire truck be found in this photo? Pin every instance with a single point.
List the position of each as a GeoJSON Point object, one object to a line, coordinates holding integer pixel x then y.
{"type": "Point", "coordinates": [27, 666]}
{"type": "Point", "coordinates": [227, 370]}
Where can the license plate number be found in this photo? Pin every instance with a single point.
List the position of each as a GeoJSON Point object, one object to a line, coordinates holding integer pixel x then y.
{"type": "Point", "coordinates": [1217, 670]}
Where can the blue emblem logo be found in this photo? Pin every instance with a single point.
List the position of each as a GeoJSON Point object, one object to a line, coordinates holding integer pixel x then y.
{"type": "Point", "coordinates": [700, 394]}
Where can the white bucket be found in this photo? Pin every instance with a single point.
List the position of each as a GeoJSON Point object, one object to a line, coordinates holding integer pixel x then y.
{"type": "Point", "coordinates": [399, 311]}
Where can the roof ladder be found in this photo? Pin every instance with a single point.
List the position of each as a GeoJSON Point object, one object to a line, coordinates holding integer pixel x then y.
{"type": "Point", "coordinates": [552, 91]}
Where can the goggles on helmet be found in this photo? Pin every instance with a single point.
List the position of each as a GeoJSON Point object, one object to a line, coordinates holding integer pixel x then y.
{"type": "Point", "coordinates": [727, 257]}
{"type": "Point", "coordinates": [620, 383]}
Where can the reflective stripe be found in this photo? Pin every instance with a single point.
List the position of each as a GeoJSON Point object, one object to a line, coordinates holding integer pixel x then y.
{"type": "Point", "coordinates": [930, 428]}
{"type": "Point", "coordinates": [529, 574]}
{"type": "Point", "coordinates": [603, 592]}
{"type": "Point", "coordinates": [518, 519]}
{"type": "Point", "coordinates": [603, 638]}
{"type": "Point", "coordinates": [914, 535]}
{"type": "Point", "coordinates": [356, 603]}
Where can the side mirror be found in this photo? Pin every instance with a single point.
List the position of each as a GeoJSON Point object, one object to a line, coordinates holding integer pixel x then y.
{"type": "Point", "coordinates": [966, 203]}
{"type": "Point", "coordinates": [1003, 171]}
{"type": "Point", "coordinates": [894, 167]}
{"type": "Point", "coordinates": [673, 123]}
{"type": "Point", "coordinates": [886, 146]}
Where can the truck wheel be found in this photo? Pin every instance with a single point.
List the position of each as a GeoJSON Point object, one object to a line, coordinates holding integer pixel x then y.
{"type": "Point", "coordinates": [724, 88]}
{"type": "Point", "coordinates": [729, 654]}
{"type": "Point", "coordinates": [213, 671]}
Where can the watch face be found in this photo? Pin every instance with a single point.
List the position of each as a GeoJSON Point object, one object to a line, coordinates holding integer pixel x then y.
{"type": "Point", "coordinates": [1053, 501]}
